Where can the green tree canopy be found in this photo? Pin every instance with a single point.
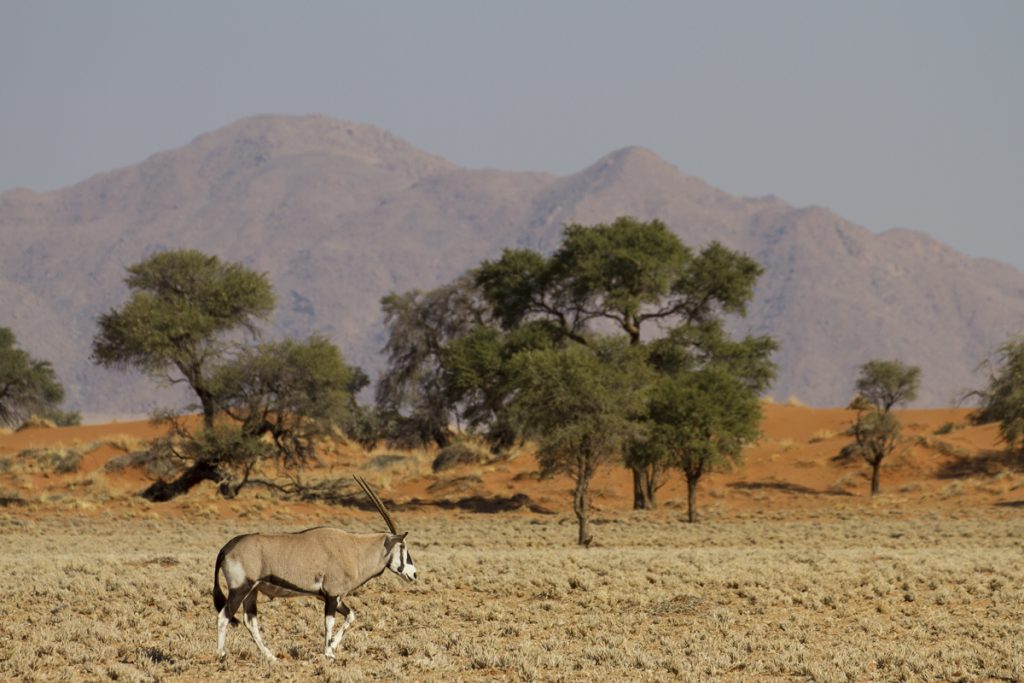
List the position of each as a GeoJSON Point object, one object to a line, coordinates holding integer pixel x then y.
{"type": "Point", "coordinates": [701, 419]}
{"type": "Point", "coordinates": [1002, 400]}
{"type": "Point", "coordinates": [888, 383]}
{"type": "Point", "coordinates": [580, 403]}
{"type": "Point", "coordinates": [27, 386]}
{"type": "Point", "coordinates": [632, 275]}
{"type": "Point", "coordinates": [186, 321]}
{"type": "Point", "coordinates": [688, 354]}
{"type": "Point", "coordinates": [183, 306]}
{"type": "Point", "coordinates": [419, 326]}
{"type": "Point", "coordinates": [876, 434]}
{"type": "Point", "coordinates": [294, 392]}
{"type": "Point", "coordinates": [628, 272]}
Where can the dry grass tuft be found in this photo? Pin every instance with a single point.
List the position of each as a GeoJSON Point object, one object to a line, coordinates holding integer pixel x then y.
{"type": "Point", "coordinates": [127, 443]}
{"type": "Point", "coordinates": [822, 435]}
{"type": "Point", "coordinates": [48, 460]}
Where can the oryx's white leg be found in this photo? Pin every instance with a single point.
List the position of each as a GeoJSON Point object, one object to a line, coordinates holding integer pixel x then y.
{"type": "Point", "coordinates": [223, 621]}
{"type": "Point", "coordinates": [350, 616]}
{"type": "Point", "coordinates": [330, 607]}
{"type": "Point", "coordinates": [253, 624]}
{"type": "Point", "coordinates": [226, 615]}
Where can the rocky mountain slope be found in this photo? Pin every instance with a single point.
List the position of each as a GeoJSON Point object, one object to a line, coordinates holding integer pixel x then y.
{"type": "Point", "coordinates": [339, 214]}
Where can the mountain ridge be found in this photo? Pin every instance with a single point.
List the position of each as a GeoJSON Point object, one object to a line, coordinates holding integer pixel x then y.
{"type": "Point", "coordinates": [339, 213]}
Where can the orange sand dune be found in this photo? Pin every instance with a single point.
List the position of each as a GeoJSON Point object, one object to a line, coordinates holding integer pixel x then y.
{"type": "Point", "coordinates": [791, 467]}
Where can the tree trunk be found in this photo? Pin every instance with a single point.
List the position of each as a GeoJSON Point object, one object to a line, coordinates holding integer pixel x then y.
{"type": "Point", "coordinates": [441, 437]}
{"type": "Point", "coordinates": [161, 491]}
{"type": "Point", "coordinates": [643, 489]}
{"type": "Point", "coordinates": [652, 487]}
{"type": "Point", "coordinates": [876, 471]}
{"type": "Point", "coordinates": [691, 498]}
{"type": "Point", "coordinates": [581, 500]}
{"type": "Point", "coordinates": [207, 399]}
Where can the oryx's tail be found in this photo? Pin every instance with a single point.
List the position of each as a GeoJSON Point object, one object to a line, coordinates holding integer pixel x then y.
{"type": "Point", "coordinates": [219, 599]}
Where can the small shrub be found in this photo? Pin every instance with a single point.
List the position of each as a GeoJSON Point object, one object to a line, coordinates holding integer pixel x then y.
{"type": "Point", "coordinates": [795, 402]}
{"type": "Point", "coordinates": [62, 418]}
{"type": "Point", "coordinates": [459, 453]}
{"type": "Point", "coordinates": [157, 463]}
{"type": "Point", "coordinates": [55, 460]}
{"type": "Point", "coordinates": [37, 422]}
{"type": "Point", "coordinates": [124, 442]}
{"type": "Point", "coordinates": [942, 447]}
{"type": "Point", "coordinates": [822, 435]}
{"type": "Point", "coordinates": [947, 428]}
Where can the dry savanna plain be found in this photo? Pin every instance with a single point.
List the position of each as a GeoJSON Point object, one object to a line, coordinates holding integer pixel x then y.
{"type": "Point", "coordinates": [793, 571]}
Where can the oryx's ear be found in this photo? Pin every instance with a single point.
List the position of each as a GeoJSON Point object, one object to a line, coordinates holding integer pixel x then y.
{"type": "Point", "coordinates": [393, 540]}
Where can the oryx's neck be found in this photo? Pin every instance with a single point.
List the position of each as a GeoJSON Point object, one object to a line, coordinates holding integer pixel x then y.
{"type": "Point", "coordinates": [373, 557]}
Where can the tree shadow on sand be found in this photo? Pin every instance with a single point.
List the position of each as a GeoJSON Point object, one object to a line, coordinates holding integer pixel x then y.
{"type": "Point", "coordinates": [785, 487]}
{"type": "Point", "coordinates": [984, 463]}
{"type": "Point", "coordinates": [484, 504]}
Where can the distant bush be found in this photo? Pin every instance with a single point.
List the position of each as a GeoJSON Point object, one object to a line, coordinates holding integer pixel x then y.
{"type": "Point", "coordinates": [37, 422]}
{"type": "Point", "coordinates": [947, 428]}
{"type": "Point", "coordinates": [459, 453]}
{"type": "Point", "coordinates": [55, 460]}
{"type": "Point", "coordinates": [125, 442]}
{"type": "Point", "coordinates": [822, 435]}
{"type": "Point", "coordinates": [941, 447]}
{"type": "Point", "coordinates": [64, 418]}
{"type": "Point", "coordinates": [156, 462]}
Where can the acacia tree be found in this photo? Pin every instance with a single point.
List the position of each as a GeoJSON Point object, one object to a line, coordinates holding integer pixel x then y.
{"type": "Point", "coordinates": [184, 323]}
{"type": "Point", "coordinates": [581, 403]}
{"type": "Point", "coordinates": [887, 383]}
{"type": "Point", "coordinates": [175, 326]}
{"type": "Point", "coordinates": [27, 386]}
{"type": "Point", "coordinates": [701, 419]}
{"type": "Point", "coordinates": [685, 355]}
{"type": "Point", "coordinates": [876, 434]}
{"type": "Point", "coordinates": [480, 380]}
{"type": "Point", "coordinates": [420, 325]}
{"type": "Point", "coordinates": [277, 399]}
{"type": "Point", "coordinates": [881, 385]}
{"type": "Point", "coordinates": [631, 274]}
{"type": "Point", "coordinates": [1002, 400]}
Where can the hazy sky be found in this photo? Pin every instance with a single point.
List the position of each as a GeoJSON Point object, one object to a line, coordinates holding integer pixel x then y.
{"type": "Point", "coordinates": [900, 113]}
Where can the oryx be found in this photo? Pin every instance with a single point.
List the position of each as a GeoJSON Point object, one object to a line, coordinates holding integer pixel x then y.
{"type": "Point", "coordinates": [323, 562]}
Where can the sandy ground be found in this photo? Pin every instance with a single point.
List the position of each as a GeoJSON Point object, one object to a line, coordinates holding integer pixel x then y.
{"type": "Point", "coordinates": [793, 572]}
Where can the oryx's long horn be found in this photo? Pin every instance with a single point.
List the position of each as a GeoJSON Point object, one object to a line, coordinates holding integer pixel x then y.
{"type": "Point", "coordinates": [376, 503]}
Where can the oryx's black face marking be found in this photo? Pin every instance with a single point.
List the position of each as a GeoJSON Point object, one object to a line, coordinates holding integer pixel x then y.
{"type": "Point", "coordinates": [400, 561]}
